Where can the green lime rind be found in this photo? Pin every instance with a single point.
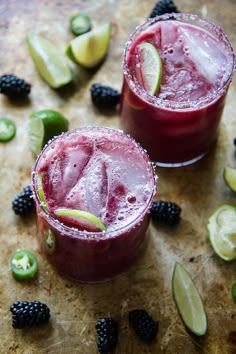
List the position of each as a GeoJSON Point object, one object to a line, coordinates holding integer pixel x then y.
{"type": "Point", "coordinates": [229, 175]}
{"type": "Point", "coordinates": [41, 194]}
{"type": "Point", "coordinates": [233, 291]}
{"type": "Point", "coordinates": [43, 126]}
{"type": "Point", "coordinates": [49, 61]}
{"type": "Point", "coordinates": [89, 49]}
{"type": "Point", "coordinates": [188, 301]}
{"type": "Point", "coordinates": [222, 232]}
{"type": "Point", "coordinates": [80, 23]}
{"type": "Point", "coordinates": [151, 67]}
{"type": "Point", "coordinates": [7, 130]}
{"type": "Point", "coordinates": [81, 214]}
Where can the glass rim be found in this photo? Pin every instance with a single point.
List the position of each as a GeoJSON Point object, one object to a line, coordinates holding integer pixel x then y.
{"type": "Point", "coordinates": [166, 104]}
{"type": "Point", "coordinates": [102, 235]}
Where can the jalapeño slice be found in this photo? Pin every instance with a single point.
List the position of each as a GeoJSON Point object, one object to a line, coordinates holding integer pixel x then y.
{"type": "Point", "coordinates": [24, 265]}
{"type": "Point", "coordinates": [7, 129]}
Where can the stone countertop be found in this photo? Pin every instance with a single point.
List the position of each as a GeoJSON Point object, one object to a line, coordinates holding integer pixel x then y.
{"type": "Point", "coordinates": [199, 189]}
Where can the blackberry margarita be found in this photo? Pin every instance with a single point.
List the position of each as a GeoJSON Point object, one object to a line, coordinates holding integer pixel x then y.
{"type": "Point", "coordinates": [179, 124]}
{"type": "Point", "coordinates": [106, 174]}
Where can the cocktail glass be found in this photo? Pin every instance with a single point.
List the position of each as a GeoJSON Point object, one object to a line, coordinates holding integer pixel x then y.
{"type": "Point", "coordinates": [106, 173]}
{"type": "Point", "coordinates": [179, 125]}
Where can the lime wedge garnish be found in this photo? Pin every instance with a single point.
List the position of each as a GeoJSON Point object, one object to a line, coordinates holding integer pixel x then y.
{"type": "Point", "coordinates": [41, 194]}
{"type": "Point", "coordinates": [49, 61]}
{"type": "Point", "coordinates": [80, 23]}
{"type": "Point", "coordinates": [7, 130]}
{"type": "Point", "coordinates": [222, 232]}
{"type": "Point", "coordinates": [89, 49]}
{"type": "Point", "coordinates": [82, 219]}
{"type": "Point", "coordinates": [188, 301]}
{"type": "Point", "coordinates": [229, 175]}
{"type": "Point", "coordinates": [151, 67]}
{"type": "Point", "coordinates": [44, 125]}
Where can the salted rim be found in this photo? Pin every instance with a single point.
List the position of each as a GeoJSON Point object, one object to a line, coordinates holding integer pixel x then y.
{"type": "Point", "coordinates": [102, 235]}
{"type": "Point", "coordinates": [169, 104]}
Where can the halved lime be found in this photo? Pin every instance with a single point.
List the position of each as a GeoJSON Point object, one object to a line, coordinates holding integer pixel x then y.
{"type": "Point", "coordinates": [151, 67]}
{"type": "Point", "coordinates": [7, 130]}
{"type": "Point", "coordinates": [229, 175]}
{"type": "Point", "coordinates": [44, 125]}
{"type": "Point", "coordinates": [80, 23]}
{"type": "Point", "coordinates": [41, 192]}
{"type": "Point", "coordinates": [188, 301]}
{"type": "Point", "coordinates": [82, 219]}
{"type": "Point", "coordinates": [49, 61]}
{"type": "Point", "coordinates": [89, 49]}
{"type": "Point", "coordinates": [222, 232]}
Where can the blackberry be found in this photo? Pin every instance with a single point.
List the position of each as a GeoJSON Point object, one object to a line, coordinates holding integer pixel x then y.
{"type": "Point", "coordinates": [163, 7]}
{"type": "Point", "coordinates": [166, 212]}
{"type": "Point", "coordinates": [13, 86]}
{"type": "Point", "coordinates": [143, 324]}
{"type": "Point", "coordinates": [107, 333]}
{"type": "Point", "coordinates": [23, 203]}
{"type": "Point", "coordinates": [29, 314]}
{"type": "Point", "coordinates": [104, 96]}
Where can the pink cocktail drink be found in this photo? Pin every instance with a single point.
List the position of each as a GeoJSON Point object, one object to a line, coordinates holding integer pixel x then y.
{"type": "Point", "coordinates": [179, 124]}
{"type": "Point", "coordinates": [107, 174]}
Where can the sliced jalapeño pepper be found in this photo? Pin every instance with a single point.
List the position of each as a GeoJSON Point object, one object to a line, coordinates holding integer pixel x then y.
{"type": "Point", "coordinates": [7, 129]}
{"type": "Point", "coordinates": [24, 265]}
{"type": "Point", "coordinates": [80, 23]}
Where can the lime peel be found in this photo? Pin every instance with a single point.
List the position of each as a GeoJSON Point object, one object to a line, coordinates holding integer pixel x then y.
{"type": "Point", "coordinates": [151, 67]}
{"type": "Point", "coordinates": [229, 175]}
{"type": "Point", "coordinates": [188, 301]}
{"type": "Point", "coordinates": [41, 192]}
{"type": "Point", "coordinates": [80, 214]}
{"type": "Point", "coordinates": [222, 232]}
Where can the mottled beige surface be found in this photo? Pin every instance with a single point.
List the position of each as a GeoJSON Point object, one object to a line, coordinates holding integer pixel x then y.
{"type": "Point", "coordinates": [199, 189]}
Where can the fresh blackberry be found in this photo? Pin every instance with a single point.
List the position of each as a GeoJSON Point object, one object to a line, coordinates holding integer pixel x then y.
{"type": "Point", "coordinates": [234, 141]}
{"type": "Point", "coordinates": [163, 7]}
{"type": "Point", "coordinates": [107, 333]}
{"type": "Point", "coordinates": [104, 96]}
{"type": "Point", "coordinates": [143, 324]}
{"type": "Point", "coordinates": [29, 314]}
{"type": "Point", "coordinates": [13, 86]}
{"type": "Point", "coordinates": [23, 203]}
{"type": "Point", "coordinates": [166, 212]}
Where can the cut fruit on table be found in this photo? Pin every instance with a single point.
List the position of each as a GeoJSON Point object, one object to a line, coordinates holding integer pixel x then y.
{"type": "Point", "coordinates": [81, 219]}
{"type": "Point", "coordinates": [24, 265]}
{"type": "Point", "coordinates": [7, 130]}
{"type": "Point", "coordinates": [50, 62]}
{"type": "Point", "coordinates": [80, 23]}
{"type": "Point", "coordinates": [151, 67]}
{"type": "Point", "coordinates": [41, 192]}
{"type": "Point", "coordinates": [188, 301]}
{"type": "Point", "coordinates": [89, 49]}
{"type": "Point", "coordinates": [44, 125]}
{"type": "Point", "coordinates": [229, 175]}
{"type": "Point", "coordinates": [222, 232]}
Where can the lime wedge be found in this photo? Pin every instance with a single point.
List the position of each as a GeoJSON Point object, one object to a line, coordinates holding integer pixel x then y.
{"type": "Point", "coordinates": [82, 219]}
{"type": "Point", "coordinates": [222, 232]}
{"type": "Point", "coordinates": [151, 67]}
{"type": "Point", "coordinates": [80, 23]}
{"type": "Point", "coordinates": [188, 301]}
{"type": "Point", "coordinates": [41, 192]}
{"type": "Point", "coordinates": [44, 125]}
{"type": "Point", "coordinates": [51, 63]}
{"type": "Point", "coordinates": [229, 175]}
{"type": "Point", "coordinates": [89, 49]}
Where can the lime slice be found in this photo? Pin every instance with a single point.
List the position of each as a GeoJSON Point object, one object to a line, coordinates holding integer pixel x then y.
{"type": "Point", "coordinates": [41, 192]}
{"type": "Point", "coordinates": [7, 130]}
{"type": "Point", "coordinates": [51, 63]}
{"type": "Point", "coordinates": [89, 49]}
{"type": "Point", "coordinates": [81, 219]}
{"type": "Point", "coordinates": [44, 125]}
{"type": "Point", "coordinates": [80, 23]}
{"type": "Point", "coordinates": [151, 67]}
{"type": "Point", "coordinates": [222, 232]}
{"type": "Point", "coordinates": [229, 175]}
{"type": "Point", "coordinates": [188, 301]}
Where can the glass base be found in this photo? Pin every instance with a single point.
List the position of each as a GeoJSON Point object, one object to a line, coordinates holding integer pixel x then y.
{"type": "Point", "coordinates": [179, 164]}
